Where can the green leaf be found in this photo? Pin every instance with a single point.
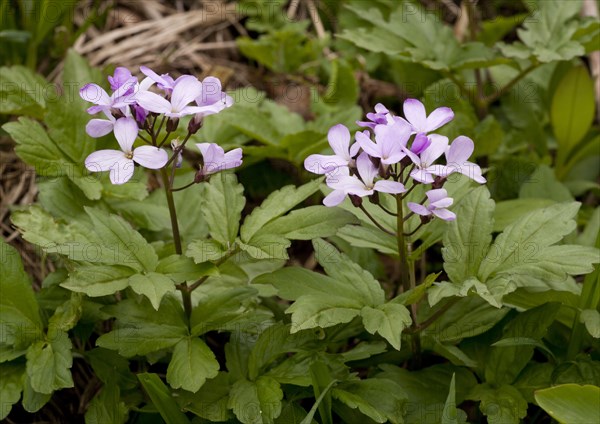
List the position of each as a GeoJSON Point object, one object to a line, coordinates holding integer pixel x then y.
{"type": "Point", "coordinates": [152, 285]}
{"type": "Point", "coordinates": [19, 311]}
{"type": "Point", "coordinates": [573, 107]}
{"type": "Point", "coordinates": [543, 184]}
{"type": "Point", "coordinates": [49, 363]}
{"type": "Point", "coordinates": [205, 250]}
{"type": "Point", "coordinates": [342, 88]}
{"type": "Point", "coordinates": [32, 401]}
{"type": "Point", "coordinates": [520, 242]}
{"type": "Point", "coordinates": [380, 399]}
{"type": "Point", "coordinates": [309, 223]}
{"type": "Point", "coordinates": [591, 319]}
{"type": "Point", "coordinates": [467, 239]}
{"type": "Point", "coordinates": [451, 414]}
{"type": "Point", "coordinates": [274, 206]}
{"type": "Point", "coordinates": [503, 364]}
{"type": "Point", "coordinates": [210, 402]}
{"type": "Point", "coordinates": [224, 204]}
{"type": "Point", "coordinates": [388, 320]}
{"type": "Point", "coordinates": [23, 92]}
{"type": "Point", "coordinates": [570, 403]}
{"type": "Point", "coordinates": [162, 399]}
{"type": "Point", "coordinates": [511, 211]}
{"type": "Point", "coordinates": [131, 249]}
{"type": "Point", "coordinates": [368, 236]}
{"type": "Point", "coordinates": [98, 280]}
{"type": "Point", "coordinates": [106, 407]}
{"type": "Point", "coordinates": [256, 402]}
{"type": "Point", "coordinates": [179, 268]}
{"type": "Point", "coordinates": [219, 307]}
{"type": "Point", "coordinates": [140, 329]}
{"type": "Point", "coordinates": [191, 365]}
{"type": "Point", "coordinates": [502, 405]}
{"type": "Point", "coordinates": [549, 37]}
{"type": "Point", "coordinates": [11, 386]}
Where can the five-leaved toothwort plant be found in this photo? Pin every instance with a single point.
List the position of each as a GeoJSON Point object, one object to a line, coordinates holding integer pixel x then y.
{"type": "Point", "coordinates": [391, 157]}
{"type": "Point", "coordinates": [148, 112]}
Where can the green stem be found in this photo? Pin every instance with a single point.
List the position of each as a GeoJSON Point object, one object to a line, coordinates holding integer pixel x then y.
{"type": "Point", "coordinates": [185, 292]}
{"type": "Point", "coordinates": [404, 273]}
{"type": "Point", "coordinates": [374, 221]}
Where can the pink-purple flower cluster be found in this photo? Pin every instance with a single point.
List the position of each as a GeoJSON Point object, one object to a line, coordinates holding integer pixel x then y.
{"type": "Point", "coordinates": [136, 107]}
{"type": "Point", "coordinates": [391, 153]}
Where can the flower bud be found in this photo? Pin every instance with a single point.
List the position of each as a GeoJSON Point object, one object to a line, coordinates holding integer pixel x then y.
{"type": "Point", "coordinates": [195, 124]}
{"type": "Point", "coordinates": [374, 198]}
{"type": "Point", "coordinates": [356, 200]}
{"type": "Point", "coordinates": [172, 124]}
{"type": "Point", "coordinates": [438, 182]}
{"type": "Point", "coordinates": [425, 219]}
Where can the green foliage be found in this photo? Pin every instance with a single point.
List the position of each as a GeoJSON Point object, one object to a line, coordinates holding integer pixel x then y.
{"type": "Point", "coordinates": [570, 402]}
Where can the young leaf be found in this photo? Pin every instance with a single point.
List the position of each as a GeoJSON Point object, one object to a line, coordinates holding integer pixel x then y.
{"type": "Point", "coordinates": [388, 320]}
{"type": "Point", "coordinates": [468, 238]}
{"type": "Point", "coordinates": [152, 285]}
{"type": "Point", "coordinates": [49, 363]}
{"type": "Point", "coordinates": [23, 92]}
{"type": "Point", "coordinates": [224, 204]}
{"type": "Point", "coordinates": [591, 319]}
{"type": "Point", "coordinates": [162, 399]}
{"type": "Point", "coordinates": [256, 402]}
{"type": "Point", "coordinates": [191, 365]}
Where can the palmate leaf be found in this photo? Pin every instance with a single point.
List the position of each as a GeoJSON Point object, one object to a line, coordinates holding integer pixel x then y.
{"type": "Point", "coordinates": [191, 365]}
{"type": "Point", "coordinates": [256, 402]}
{"type": "Point", "coordinates": [549, 35]}
{"type": "Point", "coordinates": [425, 41]}
{"type": "Point", "coordinates": [524, 255]}
{"type": "Point", "coordinates": [501, 404]}
{"type": "Point", "coordinates": [62, 150]}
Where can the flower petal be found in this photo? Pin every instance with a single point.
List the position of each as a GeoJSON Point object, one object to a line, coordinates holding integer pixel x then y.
{"type": "Point", "coordinates": [418, 209]}
{"type": "Point", "coordinates": [103, 160]}
{"type": "Point", "coordinates": [414, 111]}
{"type": "Point", "coordinates": [211, 153]}
{"type": "Point", "coordinates": [387, 186]}
{"type": "Point", "coordinates": [126, 131]}
{"type": "Point", "coordinates": [233, 159]}
{"type": "Point", "coordinates": [438, 146]}
{"type": "Point", "coordinates": [471, 170]}
{"type": "Point", "coordinates": [439, 117]}
{"type": "Point", "coordinates": [122, 171]}
{"type": "Point", "coordinates": [334, 198]}
{"type": "Point", "coordinates": [93, 93]}
{"type": "Point", "coordinates": [421, 175]}
{"type": "Point", "coordinates": [322, 164]}
{"type": "Point", "coordinates": [366, 169]}
{"type": "Point", "coordinates": [99, 127]}
{"type": "Point", "coordinates": [444, 214]}
{"type": "Point", "coordinates": [152, 102]}
{"type": "Point", "coordinates": [379, 108]}
{"type": "Point", "coordinates": [211, 92]}
{"type": "Point", "coordinates": [442, 203]}
{"type": "Point", "coordinates": [186, 89]}
{"type": "Point", "coordinates": [339, 140]}
{"type": "Point", "coordinates": [150, 157]}
{"type": "Point", "coordinates": [367, 145]}
{"type": "Point", "coordinates": [460, 150]}
{"type": "Point", "coordinates": [436, 195]}
{"type": "Point", "coordinates": [420, 143]}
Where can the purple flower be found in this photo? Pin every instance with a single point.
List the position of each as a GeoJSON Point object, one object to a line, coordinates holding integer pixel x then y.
{"type": "Point", "coordinates": [164, 81]}
{"type": "Point", "coordinates": [339, 140]}
{"type": "Point", "coordinates": [121, 98]}
{"type": "Point", "coordinates": [100, 127]}
{"type": "Point", "coordinates": [361, 185]}
{"type": "Point", "coordinates": [121, 76]}
{"type": "Point", "coordinates": [424, 168]}
{"type": "Point", "coordinates": [457, 157]}
{"type": "Point", "coordinates": [438, 202]}
{"type": "Point", "coordinates": [415, 114]}
{"type": "Point", "coordinates": [120, 163]}
{"type": "Point", "coordinates": [215, 159]}
{"type": "Point", "coordinates": [380, 117]}
{"type": "Point", "coordinates": [212, 99]}
{"type": "Point", "coordinates": [185, 90]}
{"type": "Point", "coordinates": [390, 142]}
